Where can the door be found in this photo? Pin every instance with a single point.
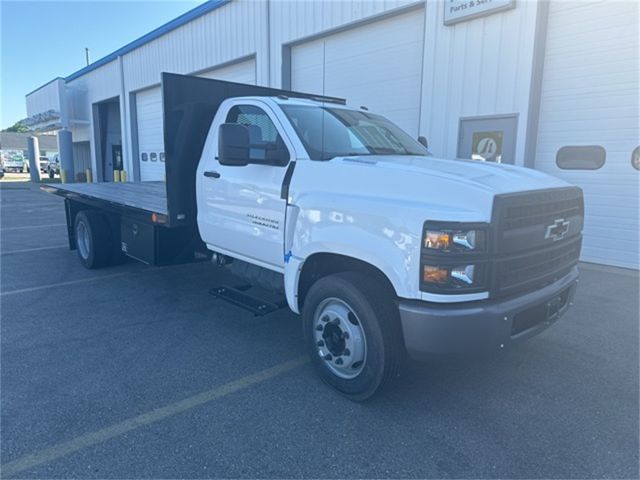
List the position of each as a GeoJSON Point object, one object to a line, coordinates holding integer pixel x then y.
{"type": "Point", "coordinates": [488, 139]}
{"type": "Point", "coordinates": [377, 65]}
{"type": "Point", "coordinates": [589, 106]}
{"type": "Point", "coordinates": [243, 214]}
{"type": "Point", "coordinates": [150, 134]}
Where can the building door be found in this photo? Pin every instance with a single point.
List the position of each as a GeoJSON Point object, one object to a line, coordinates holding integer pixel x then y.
{"type": "Point", "coordinates": [589, 122]}
{"type": "Point", "coordinates": [107, 132]}
{"type": "Point", "coordinates": [150, 134]}
{"type": "Point", "coordinates": [488, 139]}
{"type": "Point", "coordinates": [377, 65]}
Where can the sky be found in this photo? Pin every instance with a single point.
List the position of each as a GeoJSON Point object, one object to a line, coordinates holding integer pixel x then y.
{"type": "Point", "coordinates": [42, 40]}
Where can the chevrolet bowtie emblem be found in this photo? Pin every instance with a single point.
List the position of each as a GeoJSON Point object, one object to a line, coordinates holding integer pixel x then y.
{"type": "Point", "coordinates": [557, 230]}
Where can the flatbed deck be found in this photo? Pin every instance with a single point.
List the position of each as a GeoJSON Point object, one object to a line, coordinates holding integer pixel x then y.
{"type": "Point", "coordinates": [145, 196]}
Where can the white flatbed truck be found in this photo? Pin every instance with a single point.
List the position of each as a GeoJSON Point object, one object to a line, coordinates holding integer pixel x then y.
{"type": "Point", "coordinates": [384, 249]}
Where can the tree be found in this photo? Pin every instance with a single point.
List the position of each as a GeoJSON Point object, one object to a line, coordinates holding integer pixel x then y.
{"type": "Point", "coordinates": [18, 127]}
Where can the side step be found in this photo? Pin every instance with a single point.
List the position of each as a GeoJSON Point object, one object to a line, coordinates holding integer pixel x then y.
{"type": "Point", "coordinates": [238, 296]}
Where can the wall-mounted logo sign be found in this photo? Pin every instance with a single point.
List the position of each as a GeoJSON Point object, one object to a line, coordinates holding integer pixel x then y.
{"type": "Point", "coordinates": [461, 10]}
{"type": "Point", "coordinates": [487, 146]}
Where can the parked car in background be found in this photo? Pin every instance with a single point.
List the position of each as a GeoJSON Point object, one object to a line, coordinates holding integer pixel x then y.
{"type": "Point", "coordinates": [16, 163]}
{"type": "Point", "coordinates": [43, 163]}
{"type": "Point", "coordinates": [53, 166]}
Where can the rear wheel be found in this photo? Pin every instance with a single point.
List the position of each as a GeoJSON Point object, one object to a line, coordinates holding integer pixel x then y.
{"type": "Point", "coordinates": [51, 174]}
{"type": "Point", "coordinates": [353, 333]}
{"type": "Point", "coordinates": [93, 239]}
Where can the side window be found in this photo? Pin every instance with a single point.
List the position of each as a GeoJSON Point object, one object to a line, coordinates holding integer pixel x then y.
{"type": "Point", "coordinates": [262, 132]}
{"type": "Point", "coordinates": [584, 157]}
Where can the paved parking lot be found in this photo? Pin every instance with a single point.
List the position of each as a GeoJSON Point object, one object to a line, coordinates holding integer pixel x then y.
{"type": "Point", "coordinates": [135, 371]}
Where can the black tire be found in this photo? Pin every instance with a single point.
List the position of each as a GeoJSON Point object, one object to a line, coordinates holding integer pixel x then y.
{"type": "Point", "coordinates": [378, 316]}
{"type": "Point", "coordinates": [99, 249]}
{"type": "Point", "coordinates": [51, 174]}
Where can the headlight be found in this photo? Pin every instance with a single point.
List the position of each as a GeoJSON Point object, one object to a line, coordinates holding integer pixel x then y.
{"type": "Point", "coordinates": [454, 257]}
{"type": "Point", "coordinates": [452, 278]}
{"type": "Point", "coordinates": [447, 240]}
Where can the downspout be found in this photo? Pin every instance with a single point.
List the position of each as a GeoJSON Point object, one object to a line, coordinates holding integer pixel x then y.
{"type": "Point", "coordinates": [124, 125]}
{"type": "Point", "coordinates": [535, 89]}
{"type": "Point", "coordinates": [269, 82]}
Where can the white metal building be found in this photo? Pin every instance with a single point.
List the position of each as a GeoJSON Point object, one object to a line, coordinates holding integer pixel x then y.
{"type": "Point", "coordinates": [548, 85]}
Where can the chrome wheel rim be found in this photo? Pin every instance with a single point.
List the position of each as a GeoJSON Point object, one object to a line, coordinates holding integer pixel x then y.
{"type": "Point", "coordinates": [82, 239]}
{"type": "Point", "coordinates": [339, 338]}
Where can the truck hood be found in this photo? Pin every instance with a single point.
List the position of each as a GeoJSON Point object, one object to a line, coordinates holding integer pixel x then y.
{"type": "Point", "coordinates": [488, 177]}
{"type": "Point", "coordinates": [414, 187]}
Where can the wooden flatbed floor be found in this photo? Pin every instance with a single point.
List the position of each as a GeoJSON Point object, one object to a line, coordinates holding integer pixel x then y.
{"type": "Point", "coordinates": [147, 196]}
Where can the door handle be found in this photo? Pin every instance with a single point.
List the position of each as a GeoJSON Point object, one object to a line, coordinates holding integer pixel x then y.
{"type": "Point", "coordinates": [211, 174]}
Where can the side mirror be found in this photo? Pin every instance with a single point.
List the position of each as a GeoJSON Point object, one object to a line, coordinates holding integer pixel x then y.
{"type": "Point", "coordinates": [423, 141]}
{"type": "Point", "coordinates": [233, 145]}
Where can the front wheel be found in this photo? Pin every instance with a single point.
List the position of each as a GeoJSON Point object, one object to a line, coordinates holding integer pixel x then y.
{"type": "Point", "coordinates": [51, 174]}
{"type": "Point", "coordinates": [352, 330]}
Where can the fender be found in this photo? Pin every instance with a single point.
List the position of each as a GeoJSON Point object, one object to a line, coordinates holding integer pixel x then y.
{"type": "Point", "coordinates": [386, 249]}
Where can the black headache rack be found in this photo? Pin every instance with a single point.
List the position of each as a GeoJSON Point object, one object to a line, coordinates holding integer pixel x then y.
{"type": "Point", "coordinates": [189, 105]}
{"type": "Point", "coordinates": [156, 221]}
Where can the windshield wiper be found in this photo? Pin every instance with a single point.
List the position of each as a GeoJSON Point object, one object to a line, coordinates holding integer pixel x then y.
{"type": "Point", "coordinates": [389, 151]}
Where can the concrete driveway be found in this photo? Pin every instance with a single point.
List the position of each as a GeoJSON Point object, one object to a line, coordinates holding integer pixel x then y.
{"type": "Point", "coordinates": [135, 372]}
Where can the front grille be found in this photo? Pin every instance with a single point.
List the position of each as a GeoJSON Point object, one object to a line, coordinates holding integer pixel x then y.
{"type": "Point", "coordinates": [537, 269]}
{"type": "Point", "coordinates": [526, 256]}
{"type": "Point", "coordinates": [541, 213]}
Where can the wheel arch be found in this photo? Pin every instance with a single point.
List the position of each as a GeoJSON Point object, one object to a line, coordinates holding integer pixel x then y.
{"type": "Point", "coordinates": [319, 265]}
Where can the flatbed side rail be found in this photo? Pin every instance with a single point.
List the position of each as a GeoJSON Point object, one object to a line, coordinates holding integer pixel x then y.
{"type": "Point", "coordinates": [139, 214]}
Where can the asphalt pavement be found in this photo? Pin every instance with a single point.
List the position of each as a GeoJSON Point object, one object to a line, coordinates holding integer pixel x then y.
{"type": "Point", "coordinates": [136, 372]}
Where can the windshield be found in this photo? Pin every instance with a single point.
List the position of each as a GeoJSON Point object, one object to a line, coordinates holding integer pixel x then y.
{"type": "Point", "coordinates": [333, 132]}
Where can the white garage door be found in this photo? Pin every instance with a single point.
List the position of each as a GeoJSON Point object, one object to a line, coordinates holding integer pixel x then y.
{"type": "Point", "coordinates": [376, 65]}
{"type": "Point", "coordinates": [150, 136]}
{"type": "Point", "coordinates": [590, 97]}
{"type": "Point", "coordinates": [149, 117]}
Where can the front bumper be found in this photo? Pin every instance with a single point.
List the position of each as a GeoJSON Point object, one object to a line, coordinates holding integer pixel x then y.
{"type": "Point", "coordinates": [486, 325]}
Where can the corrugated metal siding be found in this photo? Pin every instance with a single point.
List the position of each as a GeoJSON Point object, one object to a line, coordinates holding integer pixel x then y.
{"type": "Point", "coordinates": [241, 72]}
{"type": "Point", "coordinates": [591, 96]}
{"type": "Point", "coordinates": [81, 156]}
{"type": "Point", "coordinates": [83, 92]}
{"type": "Point", "coordinates": [100, 84]}
{"type": "Point", "coordinates": [473, 68]}
{"type": "Point", "coordinates": [235, 30]}
{"type": "Point", "coordinates": [45, 98]}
